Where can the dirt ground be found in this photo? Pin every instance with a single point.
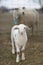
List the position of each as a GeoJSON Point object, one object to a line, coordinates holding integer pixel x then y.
{"type": "Point", "coordinates": [33, 52]}
{"type": "Point", "coordinates": [34, 47]}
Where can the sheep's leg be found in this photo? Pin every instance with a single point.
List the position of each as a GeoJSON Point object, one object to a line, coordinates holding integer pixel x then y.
{"type": "Point", "coordinates": [37, 28]}
{"type": "Point", "coordinates": [32, 30]}
{"type": "Point", "coordinates": [18, 52]}
{"type": "Point", "coordinates": [23, 55]}
{"type": "Point", "coordinates": [37, 24]}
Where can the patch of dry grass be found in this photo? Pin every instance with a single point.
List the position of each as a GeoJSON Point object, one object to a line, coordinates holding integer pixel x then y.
{"type": "Point", "coordinates": [33, 52]}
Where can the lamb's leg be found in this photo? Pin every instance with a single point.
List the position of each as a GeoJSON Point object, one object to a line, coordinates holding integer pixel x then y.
{"type": "Point", "coordinates": [18, 52]}
{"type": "Point", "coordinates": [13, 49]}
{"type": "Point", "coordinates": [23, 55]}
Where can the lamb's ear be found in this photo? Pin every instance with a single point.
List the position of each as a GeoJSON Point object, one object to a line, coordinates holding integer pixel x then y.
{"type": "Point", "coordinates": [16, 27]}
{"type": "Point", "coordinates": [27, 27]}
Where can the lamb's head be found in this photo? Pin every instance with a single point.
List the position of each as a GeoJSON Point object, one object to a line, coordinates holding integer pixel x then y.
{"type": "Point", "coordinates": [22, 28]}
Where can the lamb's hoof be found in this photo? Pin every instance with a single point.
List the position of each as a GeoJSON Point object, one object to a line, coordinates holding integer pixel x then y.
{"type": "Point", "coordinates": [23, 58]}
{"type": "Point", "coordinates": [13, 52]}
{"type": "Point", "coordinates": [17, 60]}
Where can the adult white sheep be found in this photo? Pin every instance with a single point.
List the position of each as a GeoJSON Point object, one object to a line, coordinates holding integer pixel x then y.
{"type": "Point", "coordinates": [30, 17]}
{"type": "Point", "coordinates": [19, 37]}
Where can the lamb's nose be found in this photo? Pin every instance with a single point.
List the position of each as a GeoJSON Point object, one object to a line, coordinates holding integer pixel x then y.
{"type": "Point", "coordinates": [21, 33]}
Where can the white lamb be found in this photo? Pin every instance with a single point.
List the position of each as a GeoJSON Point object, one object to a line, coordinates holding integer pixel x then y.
{"type": "Point", "coordinates": [19, 37]}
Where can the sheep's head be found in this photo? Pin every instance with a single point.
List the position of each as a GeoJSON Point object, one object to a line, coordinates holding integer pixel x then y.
{"type": "Point", "coordinates": [22, 28]}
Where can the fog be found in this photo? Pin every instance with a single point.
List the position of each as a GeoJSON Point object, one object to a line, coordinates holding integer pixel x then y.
{"type": "Point", "coordinates": [19, 3]}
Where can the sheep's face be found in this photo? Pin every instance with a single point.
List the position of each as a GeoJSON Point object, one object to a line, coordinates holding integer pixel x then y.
{"type": "Point", "coordinates": [21, 11]}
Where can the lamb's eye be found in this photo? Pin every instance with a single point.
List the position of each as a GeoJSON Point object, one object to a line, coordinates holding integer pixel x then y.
{"type": "Point", "coordinates": [24, 28]}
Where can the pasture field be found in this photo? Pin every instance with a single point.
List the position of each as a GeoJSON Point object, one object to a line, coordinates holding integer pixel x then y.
{"type": "Point", "coordinates": [34, 48]}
